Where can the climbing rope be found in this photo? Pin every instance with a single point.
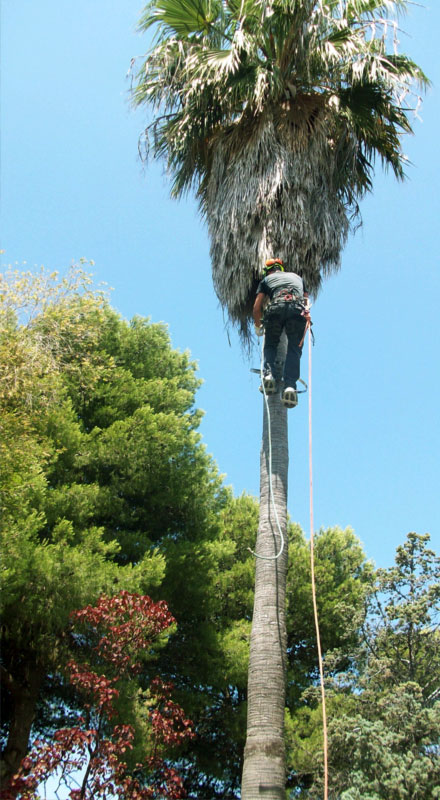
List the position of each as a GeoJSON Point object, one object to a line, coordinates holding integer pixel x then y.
{"type": "Point", "coordinates": [269, 558]}
{"type": "Point", "coordinates": [312, 567]}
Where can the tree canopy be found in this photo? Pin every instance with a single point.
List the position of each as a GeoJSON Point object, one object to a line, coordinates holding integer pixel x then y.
{"type": "Point", "coordinates": [385, 708]}
{"type": "Point", "coordinates": [274, 112]}
{"type": "Point", "coordinates": [101, 463]}
{"type": "Point", "coordinates": [92, 754]}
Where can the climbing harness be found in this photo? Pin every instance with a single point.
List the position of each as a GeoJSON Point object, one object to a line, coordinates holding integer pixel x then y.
{"type": "Point", "coordinates": [285, 296]}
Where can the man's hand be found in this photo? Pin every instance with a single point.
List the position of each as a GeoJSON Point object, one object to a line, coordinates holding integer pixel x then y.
{"type": "Point", "coordinates": [307, 306]}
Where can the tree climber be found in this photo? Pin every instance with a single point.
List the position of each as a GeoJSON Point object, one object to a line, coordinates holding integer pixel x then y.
{"type": "Point", "coordinates": [284, 300]}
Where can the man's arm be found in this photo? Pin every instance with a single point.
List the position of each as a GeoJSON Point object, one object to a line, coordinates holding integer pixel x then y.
{"type": "Point", "coordinates": [258, 308]}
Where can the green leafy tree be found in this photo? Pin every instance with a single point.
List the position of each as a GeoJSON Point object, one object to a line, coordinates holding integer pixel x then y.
{"type": "Point", "coordinates": [385, 719]}
{"type": "Point", "coordinates": [404, 617]}
{"type": "Point", "coordinates": [121, 632]}
{"type": "Point", "coordinates": [101, 464]}
{"type": "Point", "coordinates": [210, 591]}
{"type": "Point", "coordinates": [274, 112]}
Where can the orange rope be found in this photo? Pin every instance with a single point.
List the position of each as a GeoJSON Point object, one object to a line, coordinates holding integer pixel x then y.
{"type": "Point", "coordinates": [312, 565]}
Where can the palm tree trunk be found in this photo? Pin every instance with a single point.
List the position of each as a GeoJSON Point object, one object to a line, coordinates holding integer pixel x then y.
{"type": "Point", "coordinates": [264, 770]}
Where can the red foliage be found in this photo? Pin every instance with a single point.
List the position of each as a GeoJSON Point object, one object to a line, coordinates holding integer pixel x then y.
{"type": "Point", "coordinates": [126, 625]}
{"type": "Point", "coordinates": [129, 624]}
{"type": "Point", "coordinates": [169, 723]}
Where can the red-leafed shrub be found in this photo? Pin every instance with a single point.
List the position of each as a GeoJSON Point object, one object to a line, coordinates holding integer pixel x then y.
{"type": "Point", "coordinates": [125, 626]}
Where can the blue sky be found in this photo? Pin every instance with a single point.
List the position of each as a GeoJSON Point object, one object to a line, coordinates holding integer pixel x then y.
{"type": "Point", "coordinates": [73, 186]}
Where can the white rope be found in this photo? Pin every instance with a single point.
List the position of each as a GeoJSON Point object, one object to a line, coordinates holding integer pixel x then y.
{"type": "Point", "coordinates": [269, 558]}
{"type": "Point", "coordinates": [312, 570]}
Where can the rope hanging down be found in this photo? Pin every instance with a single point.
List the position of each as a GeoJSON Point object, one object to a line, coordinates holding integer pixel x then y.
{"type": "Point", "coordinates": [269, 558]}
{"type": "Point", "coordinates": [312, 568]}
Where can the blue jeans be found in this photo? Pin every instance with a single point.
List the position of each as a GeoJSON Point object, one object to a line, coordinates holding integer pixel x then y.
{"type": "Point", "coordinates": [279, 317]}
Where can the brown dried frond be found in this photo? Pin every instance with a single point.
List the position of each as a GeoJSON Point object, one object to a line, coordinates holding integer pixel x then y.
{"type": "Point", "coordinates": [272, 190]}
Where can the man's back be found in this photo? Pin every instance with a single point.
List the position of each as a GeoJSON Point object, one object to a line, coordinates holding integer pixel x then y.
{"type": "Point", "coordinates": [276, 281]}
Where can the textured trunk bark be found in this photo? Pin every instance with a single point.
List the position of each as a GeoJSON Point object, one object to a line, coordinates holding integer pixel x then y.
{"type": "Point", "coordinates": [24, 699]}
{"type": "Point", "coordinates": [264, 756]}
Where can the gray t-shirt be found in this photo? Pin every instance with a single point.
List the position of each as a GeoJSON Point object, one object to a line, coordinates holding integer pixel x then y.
{"type": "Point", "coordinates": [282, 280]}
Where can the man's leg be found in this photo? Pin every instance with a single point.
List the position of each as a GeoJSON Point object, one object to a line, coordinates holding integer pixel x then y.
{"type": "Point", "coordinates": [295, 326]}
{"type": "Point", "coordinates": [273, 326]}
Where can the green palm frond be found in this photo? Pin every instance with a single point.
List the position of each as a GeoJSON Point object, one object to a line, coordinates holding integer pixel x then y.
{"type": "Point", "coordinates": [274, 112]}
{"type": "Point", "coordinates": [180, 18]}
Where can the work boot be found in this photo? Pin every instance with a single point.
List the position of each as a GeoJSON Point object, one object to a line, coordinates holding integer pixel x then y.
{"type": "Point", "coordinates": [269, 384]}
{"type": "Point", "coordinates": [289, 397]}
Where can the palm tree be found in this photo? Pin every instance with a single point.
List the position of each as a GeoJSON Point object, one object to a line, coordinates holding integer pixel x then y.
{"type": "Point", "coordinates": [274, 113]}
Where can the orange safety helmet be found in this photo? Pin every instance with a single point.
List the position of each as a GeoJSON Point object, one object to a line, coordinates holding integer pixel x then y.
{"type": "Point", "coordinates": [273, 262]}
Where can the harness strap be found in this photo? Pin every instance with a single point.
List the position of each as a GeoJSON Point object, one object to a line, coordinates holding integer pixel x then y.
{"type": "Point", "coordinates": [287, 296]}
{"type": "Point", "coordinates": [308, 325]}
{"type": "Point", "coordinates": [284, 295]}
